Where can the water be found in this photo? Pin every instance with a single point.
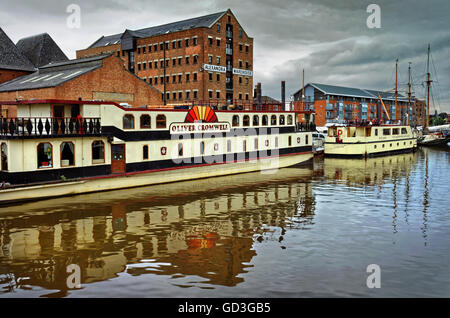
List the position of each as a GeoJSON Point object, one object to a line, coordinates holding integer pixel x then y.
{"type": "Point", "coordinates": [308, 231]}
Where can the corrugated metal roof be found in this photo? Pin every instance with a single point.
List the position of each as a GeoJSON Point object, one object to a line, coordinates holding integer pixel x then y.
{"type": "Point", "coordinates": [11, 57]}
{"type": "Point", "coordinates": [203, 21]}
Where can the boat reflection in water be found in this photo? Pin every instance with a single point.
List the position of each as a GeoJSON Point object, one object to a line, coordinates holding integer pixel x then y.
{"type": "Point", "coordinates": [205, 228]}
{"type": "Point", "coordinates": [369, 171]}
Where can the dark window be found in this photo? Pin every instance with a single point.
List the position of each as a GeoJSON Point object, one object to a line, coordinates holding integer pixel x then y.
{"type": "Point", "coordinates": [179, 61]}
{"type": "Point", "coordinates": [67, 154]}
{"type": "Point", "coordinates": [290, 141]}
{"type": "Point", "coordinates": [210, 76]}
{"type": "Point", "coordinates": [218, 95]}
{"type": "Point", "coordinates": [145, 152]}
{"type": "Point", "coordinates": [235, 121]}
{"type": "Point", "coordinates": [240, 47]}
{"type": "Point", "coordinates": [160, 121]}
{"type": "Point", "coordinates": [180, 95]}
{"type": "Point", "coordinates": [195, 77]}
{"type": "Point", "coordinates": [187, 77]}
{"type": "Point", "coordinates": [210, 41]}
{"type": "Point", "coordinates": [179, 78]}
{"type": "Point", "coordinates": [218, 42]}
{"type": "Point", "coordinates": [128, 122]}
{"type": "Point", "coordinates": [98, 152]}
{"type": "Point", "coordinates": [255, 120]}
{"type": "Point", "coordinates": [145, 121]}
{"type": "Point", "coordinates": [210, 94]}
{"type": "Point", "coordinates": [195, 41]}
{"type": "Point", "coordinates": [179, 44]}
{"type": "Point", "coordinates": [174, 94]}
{"type": "Point", "coordinates": [188, 95]}
{"type": "Point", "coordinates": [180, 150]}
{"type": "Point", "coordinates": [187, 59]}
{"type": "Point", "coordinates": [144, 50]}
{"type": "Point", "coordinates": [4, 157]}
{"type": "Point", "coordinates": [174, 45]}
{"type": "Point", "coordinates": [246, 121]}
{"type": "Point", "coordinates": [187, 42]}
{"type": "Point", "coordinates": [289, 119]}
{"type": "Point", "coordinates": [45, 155]}
{"type": "Point", "coordinates": [218, 77]}
{"type": "Point", "coordinates": [195, 59]}
{"type": "Point", "coordinates": [282, 120]}
{"type": "Point", "coordinates": [218, 28]}
{"type": "Point", "coordinates": [195, 94]}
{"type": "Point", "coordinates": [265, 120]}
{"type": "Point", "coordinates": [273, 120]}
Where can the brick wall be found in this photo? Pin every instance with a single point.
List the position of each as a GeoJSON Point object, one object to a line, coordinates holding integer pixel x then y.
{"type": "Point", "coordinates": [8, 75]}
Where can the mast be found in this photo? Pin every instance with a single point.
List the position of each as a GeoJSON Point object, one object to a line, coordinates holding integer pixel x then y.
{"type": "Point", "coordinates": [409, 93]}
{"type": "Point", "coordinates": [396, 89]}
{"type": "Point", "coordinates": [428, 88]}
{"type": "Point", "coordinates": [303, 88]}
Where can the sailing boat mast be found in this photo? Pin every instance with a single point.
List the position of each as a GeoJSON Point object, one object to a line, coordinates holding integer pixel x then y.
{"type": "Point", "coordinates": [396, 89]}
{"type": "Point", "coordinates": [409, 94]}
{"type": "Point", "coordinates": [428, 88]}
{"type": "Point", "coordinates": [303, 88]}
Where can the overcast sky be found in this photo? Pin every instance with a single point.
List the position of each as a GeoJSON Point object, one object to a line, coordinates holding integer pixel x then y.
{"type": "Point", "coordinates": [328, 38]}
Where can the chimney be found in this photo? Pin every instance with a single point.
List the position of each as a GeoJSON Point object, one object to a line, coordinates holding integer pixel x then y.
{"type": "Point", "coordinates": [283, 94]}
{"type": "Point", "coordinates": [259, 93]}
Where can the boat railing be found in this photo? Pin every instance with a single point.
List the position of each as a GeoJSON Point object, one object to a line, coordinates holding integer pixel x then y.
{"type": "Point", "coordinates": [49, 127]}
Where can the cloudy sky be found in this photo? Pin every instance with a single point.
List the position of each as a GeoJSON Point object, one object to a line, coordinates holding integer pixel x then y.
{"type": "Point", "coordinates": [328, 38]}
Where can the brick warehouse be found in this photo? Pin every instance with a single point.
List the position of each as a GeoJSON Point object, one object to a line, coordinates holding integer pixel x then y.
{"type": "Point", "coordinates": [337, 104]}
{"type": "Point", "coordinates": [208, 58]}
{"type": "Point", "coordinates": [96, 78]}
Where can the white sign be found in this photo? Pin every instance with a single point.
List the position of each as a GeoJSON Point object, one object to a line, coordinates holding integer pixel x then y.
{"type": "Point", "coordinates": [215, 68]}
{"type": "Point", "coordinates": [238, 71]}
{"type": "Point", "coordinates": [196, 128]}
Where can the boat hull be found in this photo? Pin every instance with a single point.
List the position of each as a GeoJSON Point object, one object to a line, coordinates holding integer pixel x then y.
{"type": "Point", "coordinates": [370, 149]}
{"type": "Point", "coordinates": [130, 180]}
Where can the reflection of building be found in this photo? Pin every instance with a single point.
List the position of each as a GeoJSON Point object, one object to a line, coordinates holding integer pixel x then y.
{"type": "Point", "coordinates": [206, 231]}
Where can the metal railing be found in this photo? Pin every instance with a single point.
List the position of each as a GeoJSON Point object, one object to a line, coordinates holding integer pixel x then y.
{"type": "Point", "coordinates": [51, 127]}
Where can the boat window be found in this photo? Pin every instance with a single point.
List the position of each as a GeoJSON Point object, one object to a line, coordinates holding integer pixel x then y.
{"type": "Point", "coordinates": [98, 152]}
{"type": "Point", "coordinates": [265, 120]}
{"type": "Point", "coordinates": [395, 131]}
{"type": "Point", "coordinates": [386, 131]}
{"type": "Point", "coordinates": [145, 152]}
{"type": "Point", "coordinates": [161, 121]}
{"type": "Point", "coordinates": [282, 120]}
{"type": "Point", "coordinates": [404, 131]}
{"type": "Point", "coordinates": [290, 141]}
{"type": "Point", "coordinates": [202, 147]}
{"type": "Point", "coordinates": [235, 121]}
{"type": "Point", "coordinates": [128, 122]}
{"type": "Point", "coordinates": [273, 120]}
{"type": "Point", "coordinates": [289, 119]}
{"type": "Point", "coordinates": [255, 120]}
{"type": "Point", "coordinates": [306, 139]}
{"type": "Point", "coordinates": [376, 131]}
{"type": "Point", "coordinates": [368, 132]}
{"type": "Point", "coordinates": [45, 155]}
{"type": "Point", "coordinates": [246, 121]}
{"type": "Point", "coordinates": [67, 154]}
{"type": "Point", "coordinates": [4, 157]}
{"type": "Point", "coordinates": [145, 122]}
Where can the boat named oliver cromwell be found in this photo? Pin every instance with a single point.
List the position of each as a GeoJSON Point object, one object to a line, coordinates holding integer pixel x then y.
{"type": "Point", "coordinates": [369, 140]}
{"type": "Point", "coordinates": [60, 147]}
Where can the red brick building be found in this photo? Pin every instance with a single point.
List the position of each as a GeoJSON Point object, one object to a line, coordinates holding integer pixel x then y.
{"type": "Point", "coordinates": [204, 59]}
{"type": "Point", "coordinates": [96, 78]}
{"type": "Point", "coordinates": [337, 104]}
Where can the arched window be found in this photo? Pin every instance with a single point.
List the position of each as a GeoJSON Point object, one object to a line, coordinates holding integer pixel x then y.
{"type": "Point", "coordinates": [282, 120]}
{"type": "Point", "coordinates": [45, 155]}
{"type": "Point", "coordinates": [98, 152]}
{"type": "Point", "coordinates": [246, 121]}
{"type": "Point", "coordinates": [128, 122]}
{"type": "Point", "coordinates": [235, 121]}
{"type": "Point", "coordinates": [255, 120]}
{"type": "Point", "coordinates": [289, 119]}
{"type": "Point", "coordinates": [273, 120]}
{"type": "Point", "coordinates": [4, 157]}
{"type": "Point", "coordinates": [67, 154]}
{"type": "Point", "coordinates": [145, 152]}
{"type": "Point", "coordinates": [161, 121]}
{"type": "Point", "coordinates": [265, 120]}
{"type": "Point", "coordinates": [145, 122]}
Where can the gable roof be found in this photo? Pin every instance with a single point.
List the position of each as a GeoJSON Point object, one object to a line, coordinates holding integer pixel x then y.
{"type": "Point", "coordinates": [199, 22]}
{"type": "Point", "coordinates": [353, 92]}
{"type": "Point", "coordinates": [11, 57]}
{"type": "Point", "coordinates": [40, 49]}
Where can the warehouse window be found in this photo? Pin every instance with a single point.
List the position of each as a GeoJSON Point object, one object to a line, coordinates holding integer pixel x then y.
{"type": "Point", "coordinates": [145, 121]}
{"type": "Point", "coordinates": [67, 154]}
{"type": "Point", "coordinates": [160, 121]}
{"type": "Point", "coordinates": [98, 152]}
{"type": "Point", "coordinates": [128, 122]}
{"type": "Point", "coordinates": [195, 40]}
{"type": "Point", "coordinates": [45, 155]}
{"type": "Point", "coordinates": [187, 42]}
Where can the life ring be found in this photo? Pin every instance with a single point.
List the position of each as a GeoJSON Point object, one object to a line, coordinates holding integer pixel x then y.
{"type": "Point", "coordinates": [163, 151]}
{"type": "Point", "coordinates": [298, 140]}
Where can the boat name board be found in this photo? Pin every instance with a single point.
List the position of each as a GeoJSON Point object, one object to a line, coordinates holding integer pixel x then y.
{"type": "Point", "coordinates": [192, 128]}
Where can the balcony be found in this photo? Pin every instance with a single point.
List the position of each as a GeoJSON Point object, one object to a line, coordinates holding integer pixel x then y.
{"type": "Point", "coordinates": [41, 127]}
{"type": "Point", "coordinates": [229, 51]}
{"type": "Point", "coordinates": [229, 34]}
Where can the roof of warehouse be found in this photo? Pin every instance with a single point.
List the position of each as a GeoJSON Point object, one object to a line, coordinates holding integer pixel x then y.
{"type": "Point", "coordinates": [11, 57]}
{"type": "Point", "coordinates": [354, 92]}
{"type": "Point", "coordinates": [53, 75]}
{"type": "Point", "coordinates": [203, 21]}
{"type": "Point", "coordinates": [41, 49]}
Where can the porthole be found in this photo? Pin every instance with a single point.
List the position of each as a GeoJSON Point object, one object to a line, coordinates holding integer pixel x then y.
{"type": "Point", "coordinates": [163, 151]}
